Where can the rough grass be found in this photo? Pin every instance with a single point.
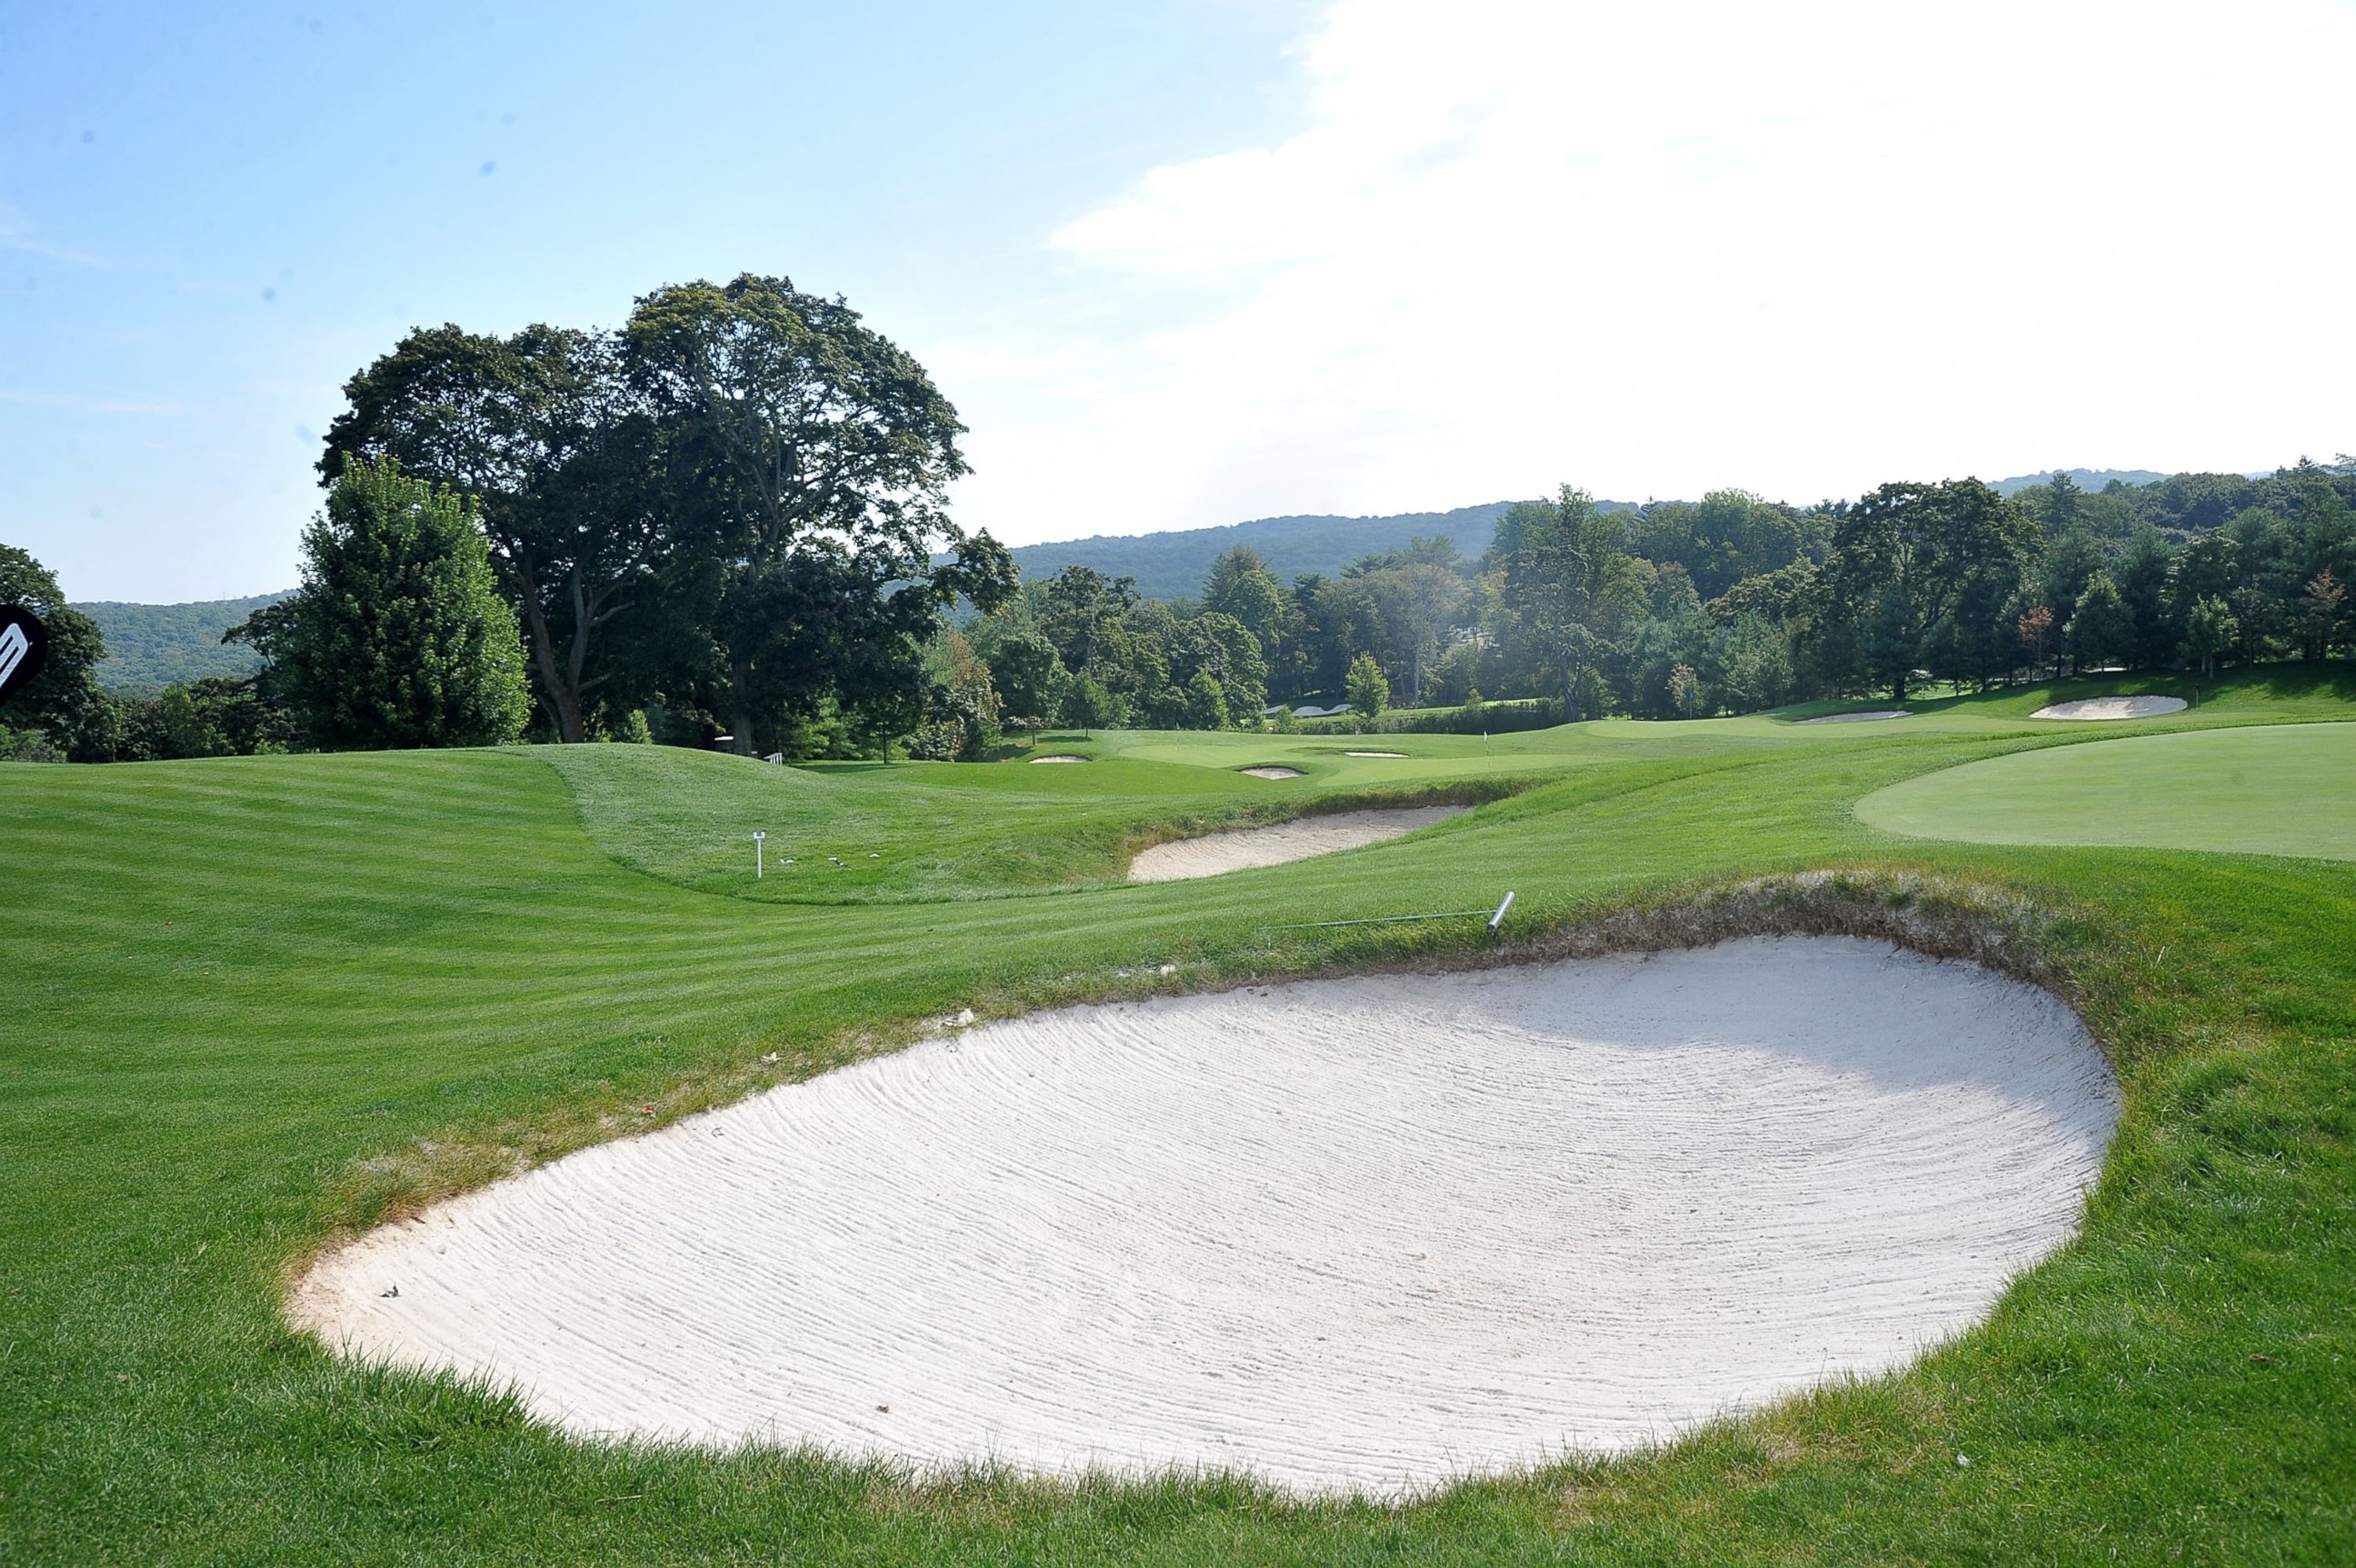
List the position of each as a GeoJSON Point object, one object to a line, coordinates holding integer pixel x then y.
{"type": "Point", "coordinates": [254, 1001]}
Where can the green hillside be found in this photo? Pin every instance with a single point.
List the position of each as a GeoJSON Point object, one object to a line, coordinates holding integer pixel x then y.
{"type": "Point", "coordinates": [1172, 565]}
{"type": "Point", "coordinates": [149, 646]}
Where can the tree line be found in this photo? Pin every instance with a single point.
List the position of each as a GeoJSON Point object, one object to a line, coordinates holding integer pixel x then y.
{"type": "Point", "coordinates": [1726, 605]}
{"type": "Point", "coordinates": [726, 524]}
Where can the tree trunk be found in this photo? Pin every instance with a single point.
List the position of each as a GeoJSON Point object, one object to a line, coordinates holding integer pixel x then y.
{"type": "Point", "coordinates": [562, 696]}
{"type": "Point", "coordinates": [742, 743]}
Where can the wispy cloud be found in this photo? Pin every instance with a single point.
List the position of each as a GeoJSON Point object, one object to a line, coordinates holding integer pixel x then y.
{"type": "Point", "coordinates": [1658, 248]}
{"type": "Point", "coordinates": [32, 247]}
{"type": "Point", "coordinates": [89, 401]}
{"type": "Point", "coordinates": [19, 235]}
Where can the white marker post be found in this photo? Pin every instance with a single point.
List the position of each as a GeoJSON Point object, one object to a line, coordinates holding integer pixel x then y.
{"type": "Point", "coordinates": [757, 855]}
{"type": "Point", "coordinates": [1499, 918]}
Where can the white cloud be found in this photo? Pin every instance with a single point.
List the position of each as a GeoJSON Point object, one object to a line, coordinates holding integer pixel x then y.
{"type": "Point", "coordinates": [1652, 249]}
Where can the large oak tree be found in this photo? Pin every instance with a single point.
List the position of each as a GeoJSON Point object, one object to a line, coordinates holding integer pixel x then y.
{"type": "Point", "coordinates": [811, 457]}
{"type": "Point", "coordinates": [1922, 575]}
{"type": "Point", "coordinates": [561, 453]}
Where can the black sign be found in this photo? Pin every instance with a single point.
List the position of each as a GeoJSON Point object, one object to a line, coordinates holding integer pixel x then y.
{"type": "Point", "coordinates": [24, 643]}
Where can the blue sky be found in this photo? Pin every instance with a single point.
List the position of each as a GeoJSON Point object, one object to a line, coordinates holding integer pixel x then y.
{"type": "Point", "coordinates": [210, 217]}
{"type": "Point", "coordinates": [1192, 263]}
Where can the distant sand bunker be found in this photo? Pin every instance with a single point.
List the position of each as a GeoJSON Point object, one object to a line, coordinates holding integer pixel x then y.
{"type": "Point", "coordinates": [1373, 1234]}
{"type": "Point", "coordinates": [1374, 754]}
{"type": "Point", "coordinates": [1857, 718]}
{"type": "Point", "coordinates": [1060, 756]}
{"type": "Point", "coordinates": [1298, 840]}
{"type": "Point", "coordinates": [2111, 708]}
{"type": "Point", "coordinates": [1271, 772]}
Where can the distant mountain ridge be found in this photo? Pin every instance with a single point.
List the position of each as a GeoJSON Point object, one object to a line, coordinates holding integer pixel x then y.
{"type": "Point", "coordinates": [150, 647]}
{"type": "Point", "coordinates": [1172, 565]}
{"type": "Point", "coordinates": [2085, 479]}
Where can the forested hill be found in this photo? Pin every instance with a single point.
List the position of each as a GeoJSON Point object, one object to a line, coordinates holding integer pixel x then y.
{"type": "Point", "coordinates": [149, 646]}
{"type": "Point", "coordinates": [2085, 479]}
{"type": "Point", "coordinates": [1172, 565]}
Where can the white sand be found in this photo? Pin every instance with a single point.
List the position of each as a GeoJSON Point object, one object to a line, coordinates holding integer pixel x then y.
{"type": "Point", "coordinates": [1373, 1234]}
{"type": "Point", "coordinates": [1271, 772]}
{"type": "Point", "coordinates": [2111, 708]}
{"type": "Point", "coordinates": [1059, 758]}
{"type": "Point", "coordinates": [1374, 754]}
{"type": "Point", "coordinates": [1857, 718]}
{"type": "Point", "coordinates": [1213, 853]}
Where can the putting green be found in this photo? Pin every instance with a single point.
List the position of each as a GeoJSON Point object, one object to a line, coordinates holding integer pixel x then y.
{"type": "Point", "coordinates": [2271, 790]}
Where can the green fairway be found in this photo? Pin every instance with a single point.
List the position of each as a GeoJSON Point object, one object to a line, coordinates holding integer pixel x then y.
{"type": "Point", "coordinates": [254, 1003]}
{"type": "Point", "coordinates": [2276, 789]}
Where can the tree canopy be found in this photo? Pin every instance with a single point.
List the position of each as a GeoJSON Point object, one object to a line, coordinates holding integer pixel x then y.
{"type": "Point", "coordinates": [399, 636]}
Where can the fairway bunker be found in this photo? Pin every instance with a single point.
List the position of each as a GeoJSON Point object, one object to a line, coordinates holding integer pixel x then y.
{"type": "Point", "coordinates": [1873, 717]}
{"type": "Point", "coordinates": [2112, 708]}
{"type": "Point", "coordinates": [1376, 1233]}
{"type": "Point", "coordinates": [1374, 754]}
{"type": "Point", "coordinates": [1271, 772]}
{"type": "Point", "coordinates": [1213, 855]}
{"type": "Point", "coordinates": [1060, 756]}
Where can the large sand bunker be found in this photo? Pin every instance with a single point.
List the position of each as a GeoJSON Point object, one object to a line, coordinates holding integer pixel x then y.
{"type": "Point", "coordinates": [2111, 708]}
{"type": "Point", "coordinates": [1213, 853]}
{"type": "Point", "coordinates": [1374, 1233]}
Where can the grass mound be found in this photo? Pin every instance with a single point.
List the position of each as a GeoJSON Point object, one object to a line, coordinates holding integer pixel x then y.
{"type": "Point", "coordinates": [860, 833]}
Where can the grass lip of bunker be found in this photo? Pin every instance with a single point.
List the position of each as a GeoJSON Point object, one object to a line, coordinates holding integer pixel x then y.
{"type": "Point", "coordinates": [1870, 716]}
{"type": "Point", "coordinates": [1302, 838]}
{"type": "Point", "coordinates": [2087, 709]}
{"type": "Point", "coordinates": [1226, 1231]}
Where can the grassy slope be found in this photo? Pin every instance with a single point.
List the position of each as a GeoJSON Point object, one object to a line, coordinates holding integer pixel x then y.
{"type": "Point", "coordinates": [252, 1000]}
